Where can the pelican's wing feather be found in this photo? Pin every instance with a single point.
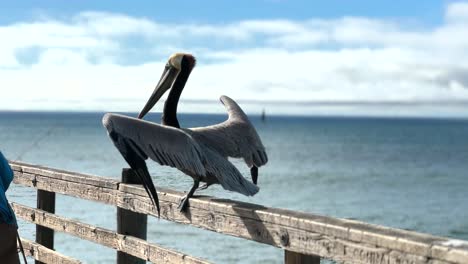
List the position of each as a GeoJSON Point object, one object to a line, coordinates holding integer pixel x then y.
{"type": "Point", "coordinates": [227, 174]}
{"type": "Point", "coordinates": [166, 145]}
{"type": "Point", "coordinates": [236, 137]}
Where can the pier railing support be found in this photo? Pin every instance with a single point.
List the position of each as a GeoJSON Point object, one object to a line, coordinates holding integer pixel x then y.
{"type": "Point", "coordinates": [130, 223]}
{"type": "Point", "coordinates": [44, 235]}
{"type": "Point", "coordinates": [291, 257]}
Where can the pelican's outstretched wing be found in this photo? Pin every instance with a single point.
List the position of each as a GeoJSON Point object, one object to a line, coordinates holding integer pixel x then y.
{"type": "Point", "coordinates": [137, 140]}
{"type": "Point", "coordinates": [236, 137]}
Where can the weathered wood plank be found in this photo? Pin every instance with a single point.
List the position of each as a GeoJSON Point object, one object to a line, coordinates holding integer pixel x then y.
{"type": "Point", "coordinates": [130, 245]}
{"type": "Point", "coordinates": [338, 239]}
{"type": "Point", "coordinates": [45, 255]}
{"type": "Point", "coordinates": [81, 190]}
{"type": "Point", "coordinates": [65, 175]}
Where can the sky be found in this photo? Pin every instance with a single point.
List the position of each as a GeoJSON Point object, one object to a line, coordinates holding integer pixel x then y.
{"type": "Point", "coordinates": [383, 57]}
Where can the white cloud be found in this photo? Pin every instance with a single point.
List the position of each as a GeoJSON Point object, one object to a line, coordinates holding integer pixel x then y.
{"type": "Point", "coordinates": [111, 25]}
{"type": "Point", "coordinates": [457, 12]}
{"type": "Point", "coordinates": [107, 61]}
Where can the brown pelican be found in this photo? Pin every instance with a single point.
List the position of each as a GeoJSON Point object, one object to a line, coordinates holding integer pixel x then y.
{"type": "Point", "coordinates": [200, 152]}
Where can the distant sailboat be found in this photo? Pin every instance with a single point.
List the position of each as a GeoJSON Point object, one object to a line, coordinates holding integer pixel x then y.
{"type": "Point", "coordinates": [263, 116]}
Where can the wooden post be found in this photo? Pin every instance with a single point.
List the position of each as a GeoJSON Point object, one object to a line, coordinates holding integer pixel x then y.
{"type": "Point", "coordinates": [291, 257]}
{"type": "Point", "coordinates": [130, 223]}
{"type": "Point", "coordinates": [44, 235]}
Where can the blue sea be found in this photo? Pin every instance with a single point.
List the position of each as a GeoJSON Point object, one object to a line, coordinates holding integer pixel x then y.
{"type": "Point", "coordinates": [409, 173]}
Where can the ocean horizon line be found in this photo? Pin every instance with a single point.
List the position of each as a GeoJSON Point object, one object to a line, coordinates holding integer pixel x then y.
{"type": "Point", "coordinates": [256, 115]}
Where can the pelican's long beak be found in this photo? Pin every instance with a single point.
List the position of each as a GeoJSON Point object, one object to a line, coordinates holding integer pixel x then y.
{"type": "Point", "coordinates": [167, 78]}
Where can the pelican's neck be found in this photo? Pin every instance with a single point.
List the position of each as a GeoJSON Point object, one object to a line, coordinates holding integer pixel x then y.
{"type": "Point", "coordinates": [169, 116]}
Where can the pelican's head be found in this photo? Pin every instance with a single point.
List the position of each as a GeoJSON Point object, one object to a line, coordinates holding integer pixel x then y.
{"type": "Point", "coordinates": [177, 62]}
{"type": "Point", "coordinates": [178, 59]}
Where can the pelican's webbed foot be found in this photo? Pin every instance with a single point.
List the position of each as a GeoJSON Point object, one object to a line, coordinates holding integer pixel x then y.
{"type": "Point", "coordinates": [184, 201]}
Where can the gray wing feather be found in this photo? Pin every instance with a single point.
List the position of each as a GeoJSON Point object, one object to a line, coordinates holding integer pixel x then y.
{"type": "Point", "coordinates": [227, 174]}
{"type": "Point", "coordinates": [236, 137]}
{"type": "Point", "coordinates": [166, 145]}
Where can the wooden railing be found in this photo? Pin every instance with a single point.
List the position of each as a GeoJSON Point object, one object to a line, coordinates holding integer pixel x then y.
{"type": "Point", "coordinates": [305, 238]}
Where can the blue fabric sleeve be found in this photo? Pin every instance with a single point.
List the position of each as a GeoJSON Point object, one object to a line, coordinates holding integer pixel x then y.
{"type": "Point", "coordinates": [6, 176]}
{"type": "Point", "coordinates": [6, 172]}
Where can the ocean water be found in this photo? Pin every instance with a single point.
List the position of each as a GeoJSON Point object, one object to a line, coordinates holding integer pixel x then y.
{"type": "Point", "coordinates": [406, 173]}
